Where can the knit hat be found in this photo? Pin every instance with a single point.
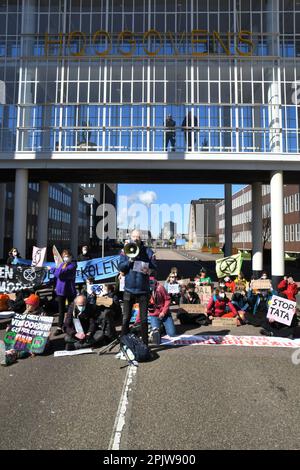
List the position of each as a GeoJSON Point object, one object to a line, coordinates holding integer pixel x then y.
{"type": "Point", "coordinates": [33, 300]}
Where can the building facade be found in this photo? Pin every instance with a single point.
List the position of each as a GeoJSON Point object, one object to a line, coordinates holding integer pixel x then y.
{"type": "Point", "coordinates": [202, 223]}
{"type": "Point", "coordinates": [242, 219]}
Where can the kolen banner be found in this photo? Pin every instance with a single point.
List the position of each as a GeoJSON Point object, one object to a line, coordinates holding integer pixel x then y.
{"type": "Point", "coordinates": [98, 268]}
{"type": "Point", "coordinates": [229, 266]}
{"type": "Point", "coordinates": [16, 278]}
{"type": "Point", "coordinates": [38, 256]}
{"type": "Point", "coordinates": [28, 333]}
{"type": "Point", "coordinates": [281, 310]}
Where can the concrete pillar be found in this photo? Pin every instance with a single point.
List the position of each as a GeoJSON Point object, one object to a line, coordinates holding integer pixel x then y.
{"type": "Point", "coordinates": [42, 222]}
{"type": "Point", "coordinates": [20, 211]}
{"type": "Point", "coordinates": [277, 227]}
{"type": "Point", "coordinates": [2, 217]}
{"type": "Point", "coordinates": [257, 228]}
{"type": "Point", "coordinates": [228, 220]}
{"type": "Point", "coordinates": [74, 219]}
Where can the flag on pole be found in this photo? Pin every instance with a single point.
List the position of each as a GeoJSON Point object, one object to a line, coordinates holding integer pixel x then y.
{"type": "Point", "coordinates": [229, 266]}
{"type": "Point", "coordinates": [56, 255]}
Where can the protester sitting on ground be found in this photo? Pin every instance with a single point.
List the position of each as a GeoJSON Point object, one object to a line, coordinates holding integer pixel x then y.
{"type": "Point", "coordinates": [174, 272]}
{"type": "Point", "coordinates": [80, 324]}
{"type": "Point", "coordinates": [220, 306]}
{"type": "Point", "coordinates": [240, 281]}
{"type": "Point", "coordinates": [84, 255]}
{"type": "Point", "coordinates": [87, 291]}
{"type": "Point", "coordinates": [13, 255]}
{"type": "Point", "coordinates": [33, 305]}
{"type": "Point", "coordinates": [105, 318]}
{"type": "Point", "coordinates": [172, 279]}
{"type": "Point", "coordinates": [259, 305]}
{"type": "Point", "coordinates": [10, 356]}
{"type": "Point", "coordinates": [288, 288]}
{"type": "Point", "coordinates": [229, 284]}
{"type": "Point", "coordinates": [264, 275]}
{"type": "Point", "coordinates": [116, 307]}
{"type": "Point", "coordinates": [190, 296]}
{"type": "Point", "coordinates": [202, 279]}
{"type": "Point", "coordinates": [240, 300]}
{"type": "Point", "coordinates": [159, 312]}
{"type": "Point", "coordinates": [274, 328]}
{"type": "Point", "coordinates": [65, 288]}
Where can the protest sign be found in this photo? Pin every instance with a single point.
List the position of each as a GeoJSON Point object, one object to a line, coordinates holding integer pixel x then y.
{"type": "Point", "coordinates": [224, 322]}
{"type": "Point", "coordinates": [229, 266]}
{"type": "Point", "coordinates": [122, 284]}
{"type": "Point", "coordinates": [281, 310]}
{"type": "Point", "coordinates": [38, 256]}
{"type": "Point", "coordinates": [57, 257]}
{"type": "Point", "coordinates": [104, 301]}
{"type": "Point", "coordinates": [204, 293]}
{"type": "Point", "coordinates": [261, 284]}
{"type": "Point", "coordinates": [192, 308]}
{"type": "Point", "coordinates": [141, 267]}
{"type": "Point", "coordinates": [16, 278]}
{"type": "Point", "coordinates": [173, 288]}
{"type": "Point", "coordinates": [28, 333]}
{"type": "Point", "coordinates": [73, 353]}
{"type": "Point", "coordinates": [183, 282]}
{"type": "Point", "coordinates": [98, 289]}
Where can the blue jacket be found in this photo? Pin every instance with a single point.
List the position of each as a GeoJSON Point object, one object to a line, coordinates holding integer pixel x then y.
{"type": "Point", "coordinates": [135, 282]}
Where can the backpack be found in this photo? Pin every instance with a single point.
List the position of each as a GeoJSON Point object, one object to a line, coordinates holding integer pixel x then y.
{"type": "Point", "coordinates": [139, 350]}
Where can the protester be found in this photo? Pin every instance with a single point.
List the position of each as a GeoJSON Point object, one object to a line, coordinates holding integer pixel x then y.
{"type": "Point", "coordinates": [288, 288]}
{"type": "Point", "coordinates": [170, 125]}
{"type": "Point", "coordinates": [220, 306]}
{"type": "Point", "coordinates": [87, 291]}
{"type": "Point", "coordinates": [33, 305]}
{"type": "Point", "coordinates": [188, 125]}
{"type": "Point", "coordinates": [10, 356]}
{"type": "Point", "coordinates": [116, 307]}
{"type": "Point", "coordinates": [80, 324]}
{"type": "Point", "coordinates": [13, 255]}
{"type": "Point", "coordinates": [65, 288]}
{"type": "Point", "coordinates": [84, 255]}
{"type": "Point", "coordinates": [190, 296]}
{"type": "Point", "coordinates": [172, 279]}
{"type": "Point", "coordinates": [137, 287]}
{"type": "Point", "coordinates": [241, 283]}
{"type": "Point", "coordinates": [202, 279]}
{"type": "Point", "coordinates": [159, 312]}
{"type": "Point", "coordinates": [18, 305]}
{"type": "Point", "coordinates": [259, 305]}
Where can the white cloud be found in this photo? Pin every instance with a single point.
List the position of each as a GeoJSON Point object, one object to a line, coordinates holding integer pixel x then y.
{"type": "Point", "coordinates": [147, 197]}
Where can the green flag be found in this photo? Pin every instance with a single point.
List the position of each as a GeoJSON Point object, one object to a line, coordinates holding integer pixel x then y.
{"type": "Point", "coordinates": [229, 266]}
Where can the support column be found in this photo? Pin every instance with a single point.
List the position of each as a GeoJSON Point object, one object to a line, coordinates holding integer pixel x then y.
{"type": "Point", "coordinates": [277, 227]}
{"type": "Point", "coordinates": [20, 211]}
{"type": "Point", "coordinates": [74, 219]}
{"type": "Point", "coordinates": [2, 217]}
{"type": "Point", "coordinates": [257, 228]}
{"type": "Point", "coordinates": [42, 222]}
{"type": "Point", "coordinates": [228, 220]}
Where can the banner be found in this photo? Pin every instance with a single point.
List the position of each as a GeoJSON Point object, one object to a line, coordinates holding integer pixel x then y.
{"type": "Point", "coordinates": [98, 268]}
{"type": "Point", "coordinates": [16, 278]}
{"type": "Point", "coordinates": [28, 333]}
{"type": "Point", "coordinates": [229, 340]}
{"type": "Point", "coordinates": [38, 256]}
{"type": "Point", "coordinates": [229, 266]}
{"type": "Point", "coordinates": [281, 310]}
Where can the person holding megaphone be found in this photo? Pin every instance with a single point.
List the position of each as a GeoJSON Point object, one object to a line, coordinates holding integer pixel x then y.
{"type": "Point", "coordinates": [136, 262]}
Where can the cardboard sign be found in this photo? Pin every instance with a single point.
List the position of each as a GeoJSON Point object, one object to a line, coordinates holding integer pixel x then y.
{"type": "Point", "coordinates": [261, 284]}
{"type": "Point", "coordinates": [224, 322]}
{"type": "Point", "coordinates": [38, 256]}
{"type": "Point", "coordinates": [104, 301]}
{"type": "Point", "coordinates": [193, 308]}
{"type": "Point", "coordinates": [204, 293]}
{"type": "Point", "coordinates": [229, 295]}
{"type": "Point", "coordinates": [281, 310]}
{"type": "Point", "coordinates": [183, 282]}
{"type": "Point", "coordinates": [173, 288]}
{"type": "Point", "coordinates": [28, 333]}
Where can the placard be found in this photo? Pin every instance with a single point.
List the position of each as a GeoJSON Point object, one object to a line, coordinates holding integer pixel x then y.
{"type": "Point", "coordinates": [193, 308]}
{"type": "Point", "coordinates": [182, 282]}
{"type": "Point", "coordinates": [28, 332]}
{"type": "Point", "coordinates": [173, 288]}
{"type": "Point", "coordinates": [104, 301]}
{"type": "Point", "coordinates": [224, 322]}
{"type": "Point", "coordinates": [141, 267]}
{"type": "Point", "coordinates": [98, 289]}
{"type": "Point", "coordinates": [204, 293]}
{"type": "Point", "coordinates": [73, 353]}
{"type": "Point", "coordinates": [261, 284]}
{"type": "Point", "coordinates": [122, 284]}
{"type": "Point", "coordinates": [38, 256]}
{"type": "Point", "coordinates": [281, 310]}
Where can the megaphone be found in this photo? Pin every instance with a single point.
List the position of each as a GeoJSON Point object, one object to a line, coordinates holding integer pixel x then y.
{"type": "Point", "coordinates": [131, 250]}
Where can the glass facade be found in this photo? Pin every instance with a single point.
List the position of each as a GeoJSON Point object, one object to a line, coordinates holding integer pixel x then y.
{"type": "Point", "coordinates": [103, 75]}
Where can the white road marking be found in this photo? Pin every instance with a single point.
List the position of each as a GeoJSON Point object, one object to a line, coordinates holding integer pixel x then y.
{"type": "Point", "coordinates": [115, 439]}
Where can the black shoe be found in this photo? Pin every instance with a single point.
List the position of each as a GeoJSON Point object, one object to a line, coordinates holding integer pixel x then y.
{"type": "Point", "coordinates": [58, 332]}
{"type": "Point", "coordinates": [266, 332]}
{"type": "Point", "coordinates": [69, 347]}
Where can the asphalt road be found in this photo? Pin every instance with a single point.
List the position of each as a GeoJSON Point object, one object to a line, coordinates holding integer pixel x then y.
{"type": "Point", "coordinates": [191, 397]}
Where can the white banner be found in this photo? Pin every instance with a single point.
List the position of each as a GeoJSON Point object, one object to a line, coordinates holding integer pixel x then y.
{"type": "Point", "coordinates": [229, 340]}
{"type": "Point", "coordinates": [281, 310]}
{"type": "Point", "coordinates": [38, 256]}
{"type": "Point", "coordinates": [73, 353]}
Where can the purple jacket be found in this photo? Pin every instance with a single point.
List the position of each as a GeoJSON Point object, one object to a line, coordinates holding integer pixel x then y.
{"type": "Point", "coordinates": [65, 284]}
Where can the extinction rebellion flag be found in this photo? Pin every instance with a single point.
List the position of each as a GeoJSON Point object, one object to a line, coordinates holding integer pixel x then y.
{"type": "Point", "coordinates": [229, 266]}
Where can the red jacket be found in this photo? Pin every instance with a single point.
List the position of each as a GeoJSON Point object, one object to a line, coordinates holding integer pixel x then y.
{"type": "Point", "coordinates": [217, 307]}
{"type": "Point", "coordinates": [230, 286]}
{"type": "Point", "coordinates": [290, 290]}
{"type": "Point", "coordinates": [159, 301]}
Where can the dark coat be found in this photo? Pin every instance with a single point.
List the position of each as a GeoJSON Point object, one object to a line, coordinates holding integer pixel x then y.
{"type": "Point", "coordinates": [87, 320]}
{"type": "Point", "coordinates": [135, 282]}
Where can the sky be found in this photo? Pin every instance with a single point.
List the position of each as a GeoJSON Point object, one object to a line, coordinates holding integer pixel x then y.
{"type": "Point", "coordinates": [148, 206]}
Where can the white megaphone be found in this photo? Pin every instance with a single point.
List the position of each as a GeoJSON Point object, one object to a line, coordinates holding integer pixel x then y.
{"type": "Point", "coordinates": [131, 250]}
